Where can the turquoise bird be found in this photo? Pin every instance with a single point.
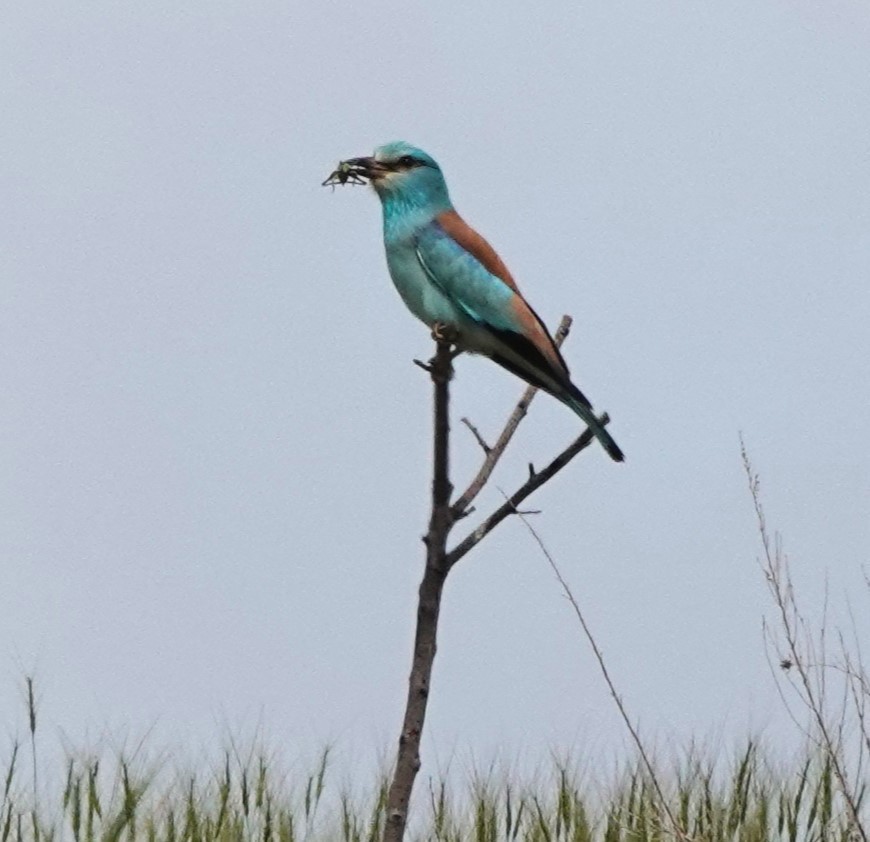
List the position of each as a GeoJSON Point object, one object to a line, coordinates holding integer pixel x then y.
{"type": "Point", "coordinates": [452, 279]}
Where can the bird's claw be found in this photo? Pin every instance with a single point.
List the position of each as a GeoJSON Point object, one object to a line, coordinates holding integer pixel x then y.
{"type": "Point", "coordinates": [444, 334]}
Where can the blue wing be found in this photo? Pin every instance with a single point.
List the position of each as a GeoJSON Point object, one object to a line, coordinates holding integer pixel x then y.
{"type": "Point", "coordinates": [474, 291]}
{"type": "Point", "coordinates": [512, 334]}
{"type": "Point", "coordinates": [501, 324]}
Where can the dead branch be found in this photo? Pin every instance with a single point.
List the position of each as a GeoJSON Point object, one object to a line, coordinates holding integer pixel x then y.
{"type": "Point", "coordinates": [799, 649]}
{"type": "Point", "coordinates": [676, 826]}
{"type": "Point", "coordinates": [408, 758]}
{"type": "Point", "coordinates": [533, 483]}
{"type": "Point", "coordinates": [460, 507]}
{"type": "Point", "coordinates": [477, 436]}
{"type": "Point", "coordinates": [439, 561]}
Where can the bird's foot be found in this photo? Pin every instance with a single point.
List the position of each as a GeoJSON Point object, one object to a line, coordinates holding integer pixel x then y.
{"type": "Point", "coordinates": [444, 333]}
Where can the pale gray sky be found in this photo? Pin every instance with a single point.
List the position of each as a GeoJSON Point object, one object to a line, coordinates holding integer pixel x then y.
{"type": "Point", "coordinates": [214, 443]}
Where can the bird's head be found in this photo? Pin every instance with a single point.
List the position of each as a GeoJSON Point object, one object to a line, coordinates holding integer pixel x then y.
{"type": "Point", "coordinates": [403, 174]}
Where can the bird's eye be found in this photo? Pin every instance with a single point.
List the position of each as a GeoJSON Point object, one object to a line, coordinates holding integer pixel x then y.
{"type": "Point", "coordinates": [408, 161]}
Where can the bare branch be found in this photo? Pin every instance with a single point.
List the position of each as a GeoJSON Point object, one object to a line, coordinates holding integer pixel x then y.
{"type": "Point", "coordinates": [785, 664]}
{"type": "Point", "coordinates": [799, 647]}
{"type": "Point", "coordinates": [676, 827]}
{"type": "Point", "coordinates": [439, 561]}
{"type": "Point", "coordinates": [408, 758]}
{"type": "Point", "coordinates": [495, 452]}
{"type": "Point", "coordinates": [533, 483]}
{"type": "Point", "coordinates": [478, 437]}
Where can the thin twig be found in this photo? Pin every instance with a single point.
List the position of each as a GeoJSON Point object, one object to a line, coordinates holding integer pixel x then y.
{"type": "Point", "coordinates": [778, 576]}
{"type": "Point", "coordinates": [460, 506]}
{"type": "Point", "coordinates": [775, 670]}
{"type": "Point", "coordinates": [599, 657]}
{"type": "Point", "coordinates": [533, 483]}
{"type": "Point", "coordinates": [31, 720]}
{"type": "Point", "coordinates": [478, 437]}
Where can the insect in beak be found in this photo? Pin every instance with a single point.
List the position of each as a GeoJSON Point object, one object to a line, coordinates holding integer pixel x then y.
{"type": "Point", "coordinates": [356, 171]}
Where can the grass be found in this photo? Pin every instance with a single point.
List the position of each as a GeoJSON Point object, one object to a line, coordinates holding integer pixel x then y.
{"type": "Point", "coordinates": [701, 797]}
{"type": "Point", "coordinates": [251, 798]}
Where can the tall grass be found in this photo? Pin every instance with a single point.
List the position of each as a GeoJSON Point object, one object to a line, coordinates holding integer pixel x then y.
{"type": "Point", "coordinates": [252, 798]}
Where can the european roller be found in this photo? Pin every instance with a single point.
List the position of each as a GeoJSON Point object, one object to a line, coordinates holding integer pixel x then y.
{"type": "Point", "coordinates": [452, 279]}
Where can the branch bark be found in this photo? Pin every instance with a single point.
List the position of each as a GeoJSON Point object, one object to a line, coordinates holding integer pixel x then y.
{"type": "Point", "coordinates": [429, 606]}
{"type": "Point", "coordinates": [494, 453]}
{"type": "Point", "coordinates": [439, 561]}
{"type": "Point", "coordinates": [535, 481]}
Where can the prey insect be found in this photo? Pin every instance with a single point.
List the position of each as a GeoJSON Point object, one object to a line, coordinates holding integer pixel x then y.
{"type": "Point", "coordinates": [345, 173]}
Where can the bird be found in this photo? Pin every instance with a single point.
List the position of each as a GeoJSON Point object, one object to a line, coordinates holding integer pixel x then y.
{"type": "Point", "coordinates": [453, 280]}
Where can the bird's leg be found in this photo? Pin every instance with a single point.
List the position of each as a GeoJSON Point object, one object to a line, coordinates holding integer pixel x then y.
{"type": "Point", "coordinates": [446, 336]}
{"type": "Point", "coordinates": [444, 333]}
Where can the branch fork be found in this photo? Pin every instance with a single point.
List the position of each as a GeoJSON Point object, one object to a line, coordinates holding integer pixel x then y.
{"type": "Point", "coordinates": [439, 560]}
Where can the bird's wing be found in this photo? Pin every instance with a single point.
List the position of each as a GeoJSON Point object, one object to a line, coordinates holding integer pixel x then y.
{"type": "Point", "coordinates": [470, 273]}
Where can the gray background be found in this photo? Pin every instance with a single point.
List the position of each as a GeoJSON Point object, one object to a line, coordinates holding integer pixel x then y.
{"type": "Point", "coordinates": [215, 448]}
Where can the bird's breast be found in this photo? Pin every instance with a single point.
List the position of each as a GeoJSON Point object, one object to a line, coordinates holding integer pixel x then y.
{"type": "Point", "coordinates": [422, 297]}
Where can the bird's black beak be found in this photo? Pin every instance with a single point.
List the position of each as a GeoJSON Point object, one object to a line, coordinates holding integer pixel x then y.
{"type": "Point", "coordinates": [367, 167]}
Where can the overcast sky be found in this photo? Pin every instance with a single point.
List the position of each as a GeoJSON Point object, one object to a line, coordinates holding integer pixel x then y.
{"type": "Point", "coordinates": [215, 447]}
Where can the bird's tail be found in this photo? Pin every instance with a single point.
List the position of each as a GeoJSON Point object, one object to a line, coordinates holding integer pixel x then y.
{"type": "Point", "coordinates": [577, 401]}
